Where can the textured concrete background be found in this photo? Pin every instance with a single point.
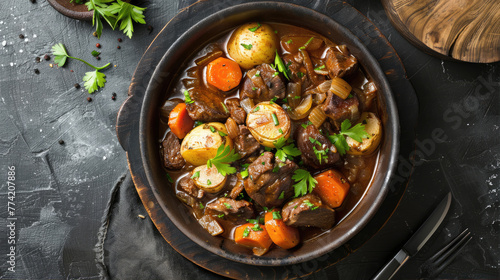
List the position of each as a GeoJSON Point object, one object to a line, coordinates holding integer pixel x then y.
{"type": "Point", "coordinates": [62, 190]}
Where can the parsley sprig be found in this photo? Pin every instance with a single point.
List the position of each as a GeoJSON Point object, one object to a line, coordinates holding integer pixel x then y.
{"type": "Point", "coordinates": [283, 152]}
{"type": "Point", "coordinates": [305, 182]}
{"type": "Point", "coordinates": [115, 13]}
{"type": "Point", "coordinates": [224, 156]}
{"type": "Point", "coordinates": [93, 79]}
{"type": "Point", "coordinates": [356, 132]}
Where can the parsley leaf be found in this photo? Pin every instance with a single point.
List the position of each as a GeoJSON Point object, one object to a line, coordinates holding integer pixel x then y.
{"type": "Point", "coordinates": [94, 80]}
{"type": "Point", "coordinates": [253, 221]}
{"type": "Point", "coordinates": [95, 53]}
{"type": "Point", "coordinates": [221, 161]}
{"type": "Point", "coordinates": [356, 132]}
{"type": "Point", "coordinates": [253, 29]}
{"type": "Point", "coordinates": [311, 206]}
{"type": "Point", "coordinates": [257, 227]}
{"type": "Point", "coordinates": [196, 175]}
{"type": "Point", "coordinates": [246, 232]}
{"type": "Point", "coordinates": [276, 215]}
{"type": "Point", "coordinates": [305, 182]}
{"type": "Point", "coordinates": [282, 195]}
{"type": "Point", "coordinates": [60, 54]}
{"type": "Point", "coordinates": [278, 62]}
{"type": "Point", "coordinates": [247, 46]}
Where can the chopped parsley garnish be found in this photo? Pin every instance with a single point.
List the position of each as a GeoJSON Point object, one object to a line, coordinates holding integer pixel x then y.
{"type": "Point", "coordinates": [225, 108]}
{"type": "Point", "coordinates": [311, 206]}
{"type": "Point", "coordinates": [224, 156]}
{"type": "Point", "coordinates": [305, 183]}
{"type": "Point", "coordinates": [253, 29]}
{"type": "Point", "coordinates": [254, 88]}
{"type": "Point", "coordinates": [256, 109]}
{"type": "Point", "coordinates": [196, 175]}
{"type": "Point", "coordinates": [257, 74]}
{"type": "Point", "coordinates": [209, 182]}
{"type": "Point", "coordinates": [278, 63]}
{"type": "Point", "coordinates": [220, 216]}
{"type": "Point", "coordinates": [321, 154]}
{"type": "Point", "coordinates": [188, 97]}
{"type": "Point", "coordinates": [282, 195]}
{"type": "Point", "coordinates": [306, 44]}
{"type": "Point", "coordinates": [95, 53]}
{"type": "Point", "coordinates": [244, 174]}
{"type": "Point", "coordinates": [228, 206]}
{"type": "Point", "coordinates": [222, 134]}
{"type": "Point", "coordinates": [253, 221]}
{"type": "Point", "coordinates": [273, 100]}
{"type": "Point", "coordinates": [256, 227]}
{"type": "Point", "coordinates": [296, 97]}
{"type": "Point", "coordinates": [201, 205]}
{"type": "Point", "coordinates": [289, 41]}
{"type": "Point", "coordinates": [277, 215]}
{"type": "Point", "coordinates": [320, 67]}
{"type": "Point", "coordinates": [357, 132]}
{"type": "Point", "coordinates": [275, 119]}
{"type": "Point", "coordinates": [276, 169]}
{"type": "Point", "coordinates": [246, 232]}
{"type": "Point", "coordinates": [248, 47]}
{"type": "Point", "coordinates": [169, 178]}
{"type": "Point", "coordinates": [275, 74]}
{"type": "Point", "coordinates": [197, 123]}
{"type": "Point", "coordinates": [350, 95]}
{"type": "Point", "coordinates": [300, 74]}
{"type": "Point", "coordinates": [280, 131]}
{"type": "Point", "coordinates": [305, 125]}
{"type": "Point", "coordinates": [285, 99]}
{"type": "Point", "coordinates": [212, 129]}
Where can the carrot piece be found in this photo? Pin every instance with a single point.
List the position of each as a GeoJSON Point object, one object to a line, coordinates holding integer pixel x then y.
{"type": "Point", "coordinates": [224, 74]}
{"type": "Point", "coordinates": [246, 236]}
{"type": "Point", "coordinates": [179, 121]}
{"type": "Point", "coordinates": [282, 235]}
{"type": "Point", "coordinates": [332, 187]}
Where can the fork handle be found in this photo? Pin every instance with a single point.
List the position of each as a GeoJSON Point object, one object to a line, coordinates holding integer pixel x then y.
{"type": "Point", "coordinates": [392, 266]}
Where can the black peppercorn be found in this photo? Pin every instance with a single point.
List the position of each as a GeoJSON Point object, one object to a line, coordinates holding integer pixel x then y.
{"type": "Point", "coordinates": [113, 97]}
{"type": "Point", "coordinates": [61, 142]}
{"type": "Point", "coordinates": [46, 57]}
{"type": "Point", "coordinates": [118, 47]}
{"type": "Point", "coordinates": [21, 36]}
{"type": "Point", "coordinates": [89, 99]}
{"type": "Point", "coordinates": [77, 86]}
{"type": "Point", "coordinates": [150, 29]}
{"type": "Point", "coordinates": [33, 1]}
{"type": "Point", "coordinates": [37, 71]}
{"type": "Point", "coordinates": [114, 94]}
{"type": "Point", "coordinates": [37, 59]}
{"type": "Point", "coordinates": [120, 40]}
{"type": "Point", "coordinates": [98, 58]}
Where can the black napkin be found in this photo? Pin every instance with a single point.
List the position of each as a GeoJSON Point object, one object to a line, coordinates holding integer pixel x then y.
{"type": "Point", "coordinates": [130, 246]}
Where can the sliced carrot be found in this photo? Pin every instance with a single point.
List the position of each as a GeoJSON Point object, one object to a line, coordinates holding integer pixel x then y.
{"type": "Point", "coordinates": [332, 187]}
{"type": "Point", "coordinates": [179, 121]}
{"type": "Point", "coordinates": [282, 235]}
{"type": "Point", "coordinates": [246, 236]}
{"type": "Point", "coordinates": [224, 74]}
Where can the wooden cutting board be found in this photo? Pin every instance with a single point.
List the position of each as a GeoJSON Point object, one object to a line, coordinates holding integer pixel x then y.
{"type": "Point", "coordinates": [467, 30]}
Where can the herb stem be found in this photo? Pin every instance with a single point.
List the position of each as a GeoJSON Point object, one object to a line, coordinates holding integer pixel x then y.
{"type": "Point", "coordinates": [96, 68]}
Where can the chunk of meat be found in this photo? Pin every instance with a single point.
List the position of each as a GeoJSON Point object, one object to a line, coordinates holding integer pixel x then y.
{"type": "Point", "coordinates": [237, 189]}
{"type": "Point", "coordinates": [261, 84]}
{"type": "Point", "coordinates": [187, 185]}
{"type": "Point", "coordinates": [339, 109]}
{"type": "Point", "coordinates": [207, 106]}
{"type": "Point", "coordinates": [308, 211]}
{"type": "Point", "coordinates": [320, 154]}
{"type": "Point", "coordinates": [233, 210]}
{"type": "Point", "coordinates": [270, 181]}
{"type": "Point", "coordinates": [340, 63]}
{"type": "Point", "coordinates": [237, 113]}
{"type": "Point", "coordinates": [245, 143]}
{"type": "Point", "coordinates": [171, 149]}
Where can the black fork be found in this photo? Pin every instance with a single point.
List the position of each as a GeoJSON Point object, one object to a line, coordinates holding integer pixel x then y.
{"type": "Point", "coordinates": [437, 263]}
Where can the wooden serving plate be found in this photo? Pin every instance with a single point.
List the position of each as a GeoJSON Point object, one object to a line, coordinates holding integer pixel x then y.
{"type": "Point", "coordinates": [128, 134]}
{"type": "Point", "coordinates": [466, 30]}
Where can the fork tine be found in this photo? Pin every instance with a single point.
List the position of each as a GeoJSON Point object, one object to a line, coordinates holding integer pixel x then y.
{"type": "Point", "coordinates": [450, 244]}
{"type": "Point", "coordinates": [442, 262]}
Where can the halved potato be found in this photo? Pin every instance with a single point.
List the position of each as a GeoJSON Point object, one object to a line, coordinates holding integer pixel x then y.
{"type": "Point", "coordinates": [201, 143]}
{"type": "Point", "coordinates": [264, 127]}
{"type": "Point", "coordinates": [208, 179]}
{"type": "Point", "coordinates": [374, 128]}
{"type": "Point", "coordinates": [253, 44]}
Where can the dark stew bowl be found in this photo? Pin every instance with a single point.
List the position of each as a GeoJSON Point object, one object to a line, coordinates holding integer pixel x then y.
{"type": "Point", "coordinates": [175, 60]}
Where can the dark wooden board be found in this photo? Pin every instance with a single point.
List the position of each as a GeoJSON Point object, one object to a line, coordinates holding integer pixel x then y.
{"type": "Point", "coordinates": [128, 127]}
{"type": "Point", "coordinates": [462, 30]}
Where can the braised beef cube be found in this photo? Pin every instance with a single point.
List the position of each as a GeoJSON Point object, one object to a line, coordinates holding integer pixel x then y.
{"type": "Point", "coordinates": [171, 149]}
{"type": "Point", "coordinates": [339, 109]}
{"type": "Point", "coordinates": [262, 84]}
{"type": "Point", "coordinates": [317, 151]}
{"type": "Point", "coordinates": [367, 96]}
{"type": "Point", "coordinates": [245, 143]}
{"type": "Point", "coordinates": [233, 210]}
{"type": "Point", "coordinates": [340, 63]}
{"type": "Point", "coordinates": [237, 113]}
{"type": "Point", "coordinates": [237, 189]}
{"type": "Point", "coordinates": [308, 211]}
{"type": "Point", "coordinates": [270, 181]}
{"type": "Point", "coordinates": [207, 106]}
{"type": "Point", "coordinates": [187, 185]}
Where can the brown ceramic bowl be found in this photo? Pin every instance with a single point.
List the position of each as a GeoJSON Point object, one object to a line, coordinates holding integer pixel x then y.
{"type": "Point", "coordinates": [166, 73]}
{"type": "Point", "coordinates": [72, 10]}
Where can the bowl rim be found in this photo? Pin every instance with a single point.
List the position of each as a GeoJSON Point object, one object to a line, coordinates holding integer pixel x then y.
{"type": "Point", "coordinates": [390, 105]}
{"type": "Point", "coordinates": [72, 13]}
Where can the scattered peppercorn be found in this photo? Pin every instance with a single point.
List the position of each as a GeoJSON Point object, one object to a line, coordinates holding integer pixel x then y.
{"type": "Point", "coordinates": [97, 45]}
{"type": "Point", "coordinates": [89, 99]}
{"type": "Point", "coordinates": [114, 94]}
{"type": "Point", "coordinates": [150, 29]}
{"type": "Point", "coordinates": [71, 71]}
{"type": "Point", "coordinates": [51, 65]}
{"type": "Point", "coordinates": [120, 40]}
{"type": "Point", "coordinates": [94, 34]}
{"type": "Point", "coordinates": [37, 71]}
{"type": "Point", "coordinates": [118, 47]}
{"type": "Point", "coordinates": [61, 142]}
{"type": "Point", "coordinates": [33, 1]}
{"type": "Point", "coordinates": [46, 57]}
{"type": "Point", "coordinates": [113, 97]}
{"type": "Point", "coordinates": [98, 58]}
{"type": "Point", "coordinates": [77, 85]}
{"type": "Point", "coordinates": [37, 59]}
{"type": "Point", "coordinates": [21, 36]}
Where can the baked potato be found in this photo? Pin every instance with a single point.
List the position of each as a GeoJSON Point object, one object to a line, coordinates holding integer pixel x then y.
{"type": "Point", "coordinates": [268, 122]}
{"type": "Point", "coordinates": [201, 143]}
{"type": "Point", "coordinates": [208, 179]}
{"type": "Point", "coordinates": [253, 44]}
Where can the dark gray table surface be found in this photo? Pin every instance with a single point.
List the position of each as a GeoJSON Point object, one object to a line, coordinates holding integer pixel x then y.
{"type": "Point", "coordinates": [62, 190]}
